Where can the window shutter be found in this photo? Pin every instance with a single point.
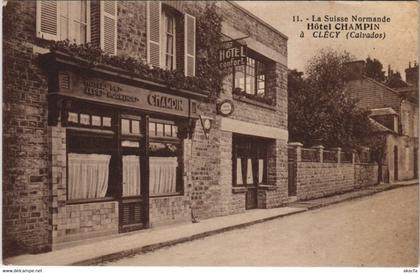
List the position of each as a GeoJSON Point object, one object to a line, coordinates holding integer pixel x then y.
{"type": "Point", "coordinates": [154, 10]}
{"type": "Point", "coordinates": [47, 23]}
{"type": "Point", "coordinates": [189, 30]}
{"type": "Point", "coordinates": [109, 26]}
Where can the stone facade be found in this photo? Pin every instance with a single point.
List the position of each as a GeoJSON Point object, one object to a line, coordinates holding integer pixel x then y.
{"type": "Point", "coordinates": [38, 217]}
{"type": "Point", "coordinates": [26, 184]}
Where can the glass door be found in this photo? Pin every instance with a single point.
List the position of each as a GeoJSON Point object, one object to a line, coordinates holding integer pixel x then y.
{"type": "Point", "coordinates": [134, 199]}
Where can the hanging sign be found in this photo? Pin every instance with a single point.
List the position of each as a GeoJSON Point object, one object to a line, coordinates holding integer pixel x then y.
{"type": "Point", "coordinates": [206, 123]}
{"type": "Point", "coordinates": [232, 53]}
{"type": "Point", "coordinates": [225, 108]}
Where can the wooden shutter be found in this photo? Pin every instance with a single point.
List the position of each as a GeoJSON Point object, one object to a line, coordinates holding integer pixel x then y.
{"type": "Point", "coordinates": [109, 26]}
{"type": "Point", "coordinates": [154, 9]}
{"type": "Point", "coordinates": [189, 31]}
{"type": "Point", "coordinates": [47, 23]}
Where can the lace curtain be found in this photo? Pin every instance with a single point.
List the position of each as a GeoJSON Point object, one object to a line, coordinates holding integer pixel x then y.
{"type": "Point", "coordinates": [131, 175]}
{"type": "Point", "coordinates": [162, 175]}
{"type": "Point", "coordinates": [88, 175]}
{"type": "Point", "coordinates": [249, 175]}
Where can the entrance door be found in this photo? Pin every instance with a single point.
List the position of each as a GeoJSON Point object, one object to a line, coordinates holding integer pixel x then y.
{"type": "Point", "coordinates": [133, 207]}
{"type": "Point", "coordinates": [395, 163]}
{"type": "Point", "coordinates": [249, 162]}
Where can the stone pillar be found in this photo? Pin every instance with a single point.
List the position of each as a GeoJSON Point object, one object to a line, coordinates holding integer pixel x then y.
{"type": "Point", "coordinates": [338, 151]}
{"type": "Point", "coordinates": [320, 152]}
{"type": "Point", "coordinates": [353, 156]}
{"type": "Point", "coordinates": [297, 150]}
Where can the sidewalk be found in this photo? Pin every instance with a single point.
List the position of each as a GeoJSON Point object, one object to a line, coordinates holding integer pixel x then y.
{"type": "Point", "coordinates": [97, 251]}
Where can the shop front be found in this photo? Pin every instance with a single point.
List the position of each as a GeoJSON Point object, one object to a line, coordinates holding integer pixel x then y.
{"type": "Point", "coordinates": [118, 145]}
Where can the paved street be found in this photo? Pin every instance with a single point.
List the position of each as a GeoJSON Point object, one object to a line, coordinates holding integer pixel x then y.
{"type": "Point", "coordinates": [380, 230]}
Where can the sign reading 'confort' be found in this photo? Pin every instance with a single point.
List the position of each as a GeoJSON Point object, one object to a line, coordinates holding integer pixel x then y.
{"type": "Point", "coordinates": [232, 53]}
{"type": "Point", "coordinates": [121, 94]}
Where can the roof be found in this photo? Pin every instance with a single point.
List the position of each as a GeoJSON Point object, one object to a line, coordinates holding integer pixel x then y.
{"type": "Point", "coordinates": [382, 85]}
{"type": "Point", "coordinates": [383, 111]}
{"type": "Point", "coordinates": [379, 128]}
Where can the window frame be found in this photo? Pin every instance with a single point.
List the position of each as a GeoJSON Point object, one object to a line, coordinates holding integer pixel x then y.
{"type": "Point", "coordinates": [57, 36]}
{"type": "Point", "coordinates": [173, 140]}
{"type": "Point", "coordinates": [258, 61]}
{"type": "Point", "coordinates": [168, 14]}
{"type": "Point", "coordinates": [76, 132]}
{"type": "Point", "coordinates": [253, 143]}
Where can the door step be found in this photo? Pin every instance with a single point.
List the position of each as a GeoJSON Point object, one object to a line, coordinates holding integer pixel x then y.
{"type": "Point", "coordinates": [292, 199]}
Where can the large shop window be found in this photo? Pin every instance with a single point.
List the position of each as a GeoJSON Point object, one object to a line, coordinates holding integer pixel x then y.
{"type": "Point", "coordinates": [170, 38]}
{"type": "Point", "coordinates": [249, 161]}
{"type": "Point", "coordinates": [89, 157]}
{"type": "Point", "coordinates": [165, 160]}
{"type": "Point", "coordinates": [250, 78]}
{"type": "Point", "coordinates": [71, 20]}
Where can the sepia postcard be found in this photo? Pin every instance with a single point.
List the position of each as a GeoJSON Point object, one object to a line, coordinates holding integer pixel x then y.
{"type": "Point", "coordinates": [231, 134]}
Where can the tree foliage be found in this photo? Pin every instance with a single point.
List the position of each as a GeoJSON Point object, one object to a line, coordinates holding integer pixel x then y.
{"type": "Point", "coordinates": [374, 69]}
{"type": "Point", "coordinates": [319, 110]}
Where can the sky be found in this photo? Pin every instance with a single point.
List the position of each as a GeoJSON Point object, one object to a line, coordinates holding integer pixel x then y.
{"type": "Point", "coordinates": [399, 47]}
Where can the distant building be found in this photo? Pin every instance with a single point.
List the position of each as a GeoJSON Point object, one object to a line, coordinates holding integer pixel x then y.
{"type": "Point", "coordinates": [397, 110]}
{"type": "Point", "coordinates": [412, 74]}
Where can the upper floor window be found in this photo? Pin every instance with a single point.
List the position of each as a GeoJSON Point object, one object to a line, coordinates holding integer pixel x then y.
{"type": "Point", "coordinates": [251, 77]}
{"type": "Point", "coordinates": [61, 20]}
{"type": "Point", "coordinates": [73, 21]}
{"type": "Point", "coordinates": [168, 29]}
{"type": "Point", "coordinates": [170, 37]}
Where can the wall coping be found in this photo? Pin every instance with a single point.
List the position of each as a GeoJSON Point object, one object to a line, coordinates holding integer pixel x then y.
{"type": "Point", "coordinates": [248, 128]}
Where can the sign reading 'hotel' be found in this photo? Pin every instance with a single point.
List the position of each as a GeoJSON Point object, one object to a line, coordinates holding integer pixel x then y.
{"type": "Point", "coordinates": [232, 53]}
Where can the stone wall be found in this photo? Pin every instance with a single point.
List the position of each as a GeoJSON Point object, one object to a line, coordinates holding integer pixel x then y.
{"type": "Point", "coordinates": [365, 174]}
{"type": "Point", "coordinates": [25, 144]}
{"type": "Point", "coordinates": [83, 221]}
{"type": "Point", "coordinates": [315, 179]}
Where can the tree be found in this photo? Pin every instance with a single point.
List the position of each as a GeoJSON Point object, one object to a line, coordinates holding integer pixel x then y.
{"type": "Point", "coordinates": [374, 69]}
{"type": "Point", "coordinates": [319, 110]}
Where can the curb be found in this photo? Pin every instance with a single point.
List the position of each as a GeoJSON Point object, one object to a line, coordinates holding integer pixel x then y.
{"type": "Point", "coordinates": [156, 246]}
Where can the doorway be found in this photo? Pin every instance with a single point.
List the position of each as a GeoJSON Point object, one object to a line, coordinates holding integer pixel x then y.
{"type": "Point", "coordinates": [249, 162]}
{"type": "Point", "coordinates": [133, 205]}
{"type": "Point", "coordinates": [395, 163]}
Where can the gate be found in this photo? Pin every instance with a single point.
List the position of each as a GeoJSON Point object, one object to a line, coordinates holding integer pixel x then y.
{"type": "Point", "coordinates": [292, 178]}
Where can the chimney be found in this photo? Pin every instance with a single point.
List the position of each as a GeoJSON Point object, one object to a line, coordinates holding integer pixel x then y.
{"type": "Point", "coordinates": [412, 74]}
{"type": "Point", "coordinates": [355, 70]}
